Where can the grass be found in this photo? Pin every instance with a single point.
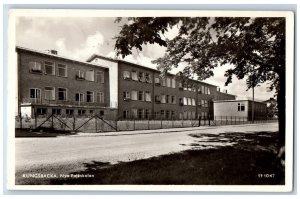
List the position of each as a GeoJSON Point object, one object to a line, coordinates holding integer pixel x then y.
{"type": "Point", "coordinates": [22, 133]}
{"type": "Point", "coordinates": [240, 164]}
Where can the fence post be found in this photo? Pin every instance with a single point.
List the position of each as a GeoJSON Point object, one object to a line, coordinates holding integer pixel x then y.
{"type": "Point", "coordinates": [199, 121]}
{"type": "Point", "coordinates": [96, 124]}
{"type": "Point", "coordinates": [74, 122]}
{"type": "Point", "coordinates": [52, 122]}
{"type": "Point", "coordinates": [20, 115]}
{"type": "Point", "coordinates": [133, 123]}
{"type": "Point", "coordinates": [216, 120]}
{"type": "Point", "coordinates": [172, 121]}
{"type": "Point", "coordinates": [148, 123]}
{"type": "Point", "coordinates": [182, 121]}
{"type": "Point", "coordinates": [160, 122]}
{"type": "Point", "coordinates": [35, 118]}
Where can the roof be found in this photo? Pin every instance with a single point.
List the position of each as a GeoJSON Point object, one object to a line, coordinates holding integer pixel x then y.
{"type": "Point", "coordinates": [219, 101]}
{"type": "Point", "coordinates": [19, 48]}
{"type": "Point", "coordinates": [140, 66]}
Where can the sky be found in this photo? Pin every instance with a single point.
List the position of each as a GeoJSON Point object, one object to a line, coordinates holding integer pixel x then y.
{"type": "Point", "coordinates": [79, 38]}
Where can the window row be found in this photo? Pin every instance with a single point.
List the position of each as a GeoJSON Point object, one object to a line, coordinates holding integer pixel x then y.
{"type": "Point", "coordinates": [137, 95]}
{"type": "Point", "coordinates": [137, 76]}
{"type": "Point", "coordinates": [68, 112]}
{"type": "Point", "coordinates": [201, 89]}
{"type": "Point", "coordinates": [165, 99]}
{"type": "Point", "coordinates": [62, 94]}
{"type": "Point", "coordinates": [203, 103]}
{"type": "Point", "coordinates": [167, 81]}
{"type": "Point", "coordinates": [187, 101]}
{"type": "Point", "coordinates": [50, 69]}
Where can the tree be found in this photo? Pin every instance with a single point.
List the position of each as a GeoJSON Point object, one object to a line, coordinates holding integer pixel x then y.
{"type": "Point", "coordinates": [255, 47]}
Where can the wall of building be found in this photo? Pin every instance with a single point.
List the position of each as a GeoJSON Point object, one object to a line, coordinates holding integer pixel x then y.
{"type": "Point", "coordinates": [230, 109]}
{"type": "Point", "coordinates": [28, 79]}
{"type": "Point", "coordinates": [113, 76]}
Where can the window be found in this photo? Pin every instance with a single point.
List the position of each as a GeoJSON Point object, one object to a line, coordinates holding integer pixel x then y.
{"type": "Point", "coordinates": [41, 111]}
{"type": "Point", "coordinates": [241, 107]}
{"type": "Point", "coordinates": [163, 99]}
{"type": "Point", "coordinates": [185, 101]}
{"type": "Point", "coordinates": [208, 91]}
{"type": "Point", "coordinates": [202, 104]}
{"type": "Point", "coordinates": [126, 74]}
{"type": "Point", "coordinates": [167, 114]}
{"type": "Point", "coordinates": [62, 94]}
{"type": "Point", "coordinates": [202, 89]}
{"type": "Point", "coordinates": [148, 78]}
{"type": "Point", "coordinates": [148, 96]}
{"type": "Point", "coordinates": [81, 112]}
{"type": "Point", "coordinates": [56, 111]}
{"type": "Point", "coordinates": [79, 97]}
{"type": "Point", "coordinates": [91, 112]}
{"type": "Point", "coordinates": [126, 95]}
{"type": "Point", "coordinates": [173, 83]}
{"type": "Point", "coordinates": [162, 114]}
{"type": "Point", "coordinates": [141, 95]}
{"type": "Point", "coordinates": [147, 113]}
{"type": "Point", "coordinates": [157, 81]}
{"type": "Point", "coordinates": [133, 95]}
{"type": "Point", "coordinates": [90, 75]}
{"type": "Point", "coordinates": [193, 102]}
{"type": "Point", "coordinates": [185, 87]}
{"type": "Point", "coordinates": [134, 113]}
{"type": "Point", "coordinates": [168, 99]}
{"type": "Point", "coordinates": [100, 76]}
{"type": "Point", "coordinates": [180, 85]}
{"type": "Point", "coordinates": [80, 75]}
{"type": "Point", "coordinates": [49, 68]}
{"type": "Point", "coordinates": [62, 70]}
{"type": "Point", "coordinates": [134, 75]}
{"type": "Point", "coordinates": [49, 93]}
{"type": "Point", "coordinates": [141, 77]}
{"type": "Point", "coordinates": [193, 114]}
{"type": "Point", "coordinates": [100, 97]}
{"type": "Point", "coordinates": [89, 96]}
{"type": "Point", "coordinates": [69, 111]}
{"type": "Point", "coordinates": [189, 101]}
{"type": "Point", "coordinates": [126, 114]}
{"type": "Point", "coordinates": [163, 80]}
{"type": "Point", "coordinates": [173, 114]}
{"type": "Point", "coordinates": [180, 116]}
{"type": "Point", "coordinates": [168, 82]}
{"type": "Point", "coordinates": [141, 113]}
{"type": "Point", "coordinates": [35, 67]}
{"type": "Point", "coordinates": [157, 98]}
{"type": "Point", "coordinates": [173, 100]}
{"type": "Point", "coordinates": [35, 93]}
{"type": "Point", "coordinates": [189, 87]}
{"type": "Point", "coordinates": [185, 115]}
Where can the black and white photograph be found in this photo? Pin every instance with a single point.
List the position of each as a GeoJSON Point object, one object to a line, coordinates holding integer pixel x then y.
{"type": "Point", "coordinates": [141, 100]}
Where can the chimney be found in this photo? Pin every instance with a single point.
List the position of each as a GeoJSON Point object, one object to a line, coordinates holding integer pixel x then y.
{"type": "Point", "coordinates": [219, 89]}
{"type": "Point", "coordinates": [54, 52]}
{"type": "Point", "coordinates": [226, 91]}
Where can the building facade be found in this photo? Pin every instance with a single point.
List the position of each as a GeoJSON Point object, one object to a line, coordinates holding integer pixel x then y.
{"type": "Point", "coordinates": [242, 109]}
{"type": "Point", "coordinates": [48, 83]}
{"type": "Point", "coordinates": [144, 94]}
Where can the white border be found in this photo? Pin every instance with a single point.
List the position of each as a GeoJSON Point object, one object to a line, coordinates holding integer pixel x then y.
{"type": "Point", "coordinates": [12, 85]}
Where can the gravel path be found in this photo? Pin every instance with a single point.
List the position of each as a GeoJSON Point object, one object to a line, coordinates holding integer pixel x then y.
{"type": "Point", "coordinates": [69, 153]}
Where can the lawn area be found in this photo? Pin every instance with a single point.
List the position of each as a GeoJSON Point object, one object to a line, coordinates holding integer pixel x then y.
{"type": "Point", "coordinates": [251, 160]}
{"type": "Point", "coordinates": [22, 133]}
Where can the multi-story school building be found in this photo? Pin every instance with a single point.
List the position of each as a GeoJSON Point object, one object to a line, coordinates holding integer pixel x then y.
{"type": "Point", "coordinates": [50, 83]}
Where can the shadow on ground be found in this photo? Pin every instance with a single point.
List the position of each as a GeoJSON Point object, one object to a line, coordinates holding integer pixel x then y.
{"type": "Point", "coordinates": [249, 160]}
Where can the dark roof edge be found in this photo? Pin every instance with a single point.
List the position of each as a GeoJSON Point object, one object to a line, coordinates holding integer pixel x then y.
{"type": "Point", "coordinates": [19, 48]}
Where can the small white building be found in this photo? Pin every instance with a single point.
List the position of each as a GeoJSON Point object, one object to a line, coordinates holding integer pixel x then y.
{"type": "Point", "coordinates": [239, 109]}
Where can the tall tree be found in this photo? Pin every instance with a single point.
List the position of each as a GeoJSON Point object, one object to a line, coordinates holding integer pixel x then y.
{"type": "Point", "coordinates": [254, 47]}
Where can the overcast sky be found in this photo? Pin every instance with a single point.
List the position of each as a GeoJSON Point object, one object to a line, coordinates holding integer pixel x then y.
{"type": "Point", "coordinates": [79, 38]}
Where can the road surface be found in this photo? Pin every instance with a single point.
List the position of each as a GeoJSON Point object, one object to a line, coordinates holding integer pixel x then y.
{"type": "Point", "coordinates": [66, 154]}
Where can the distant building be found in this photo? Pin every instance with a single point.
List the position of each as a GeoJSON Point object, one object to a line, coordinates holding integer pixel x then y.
{"type": "Point", "coordinates": [242, 109]}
